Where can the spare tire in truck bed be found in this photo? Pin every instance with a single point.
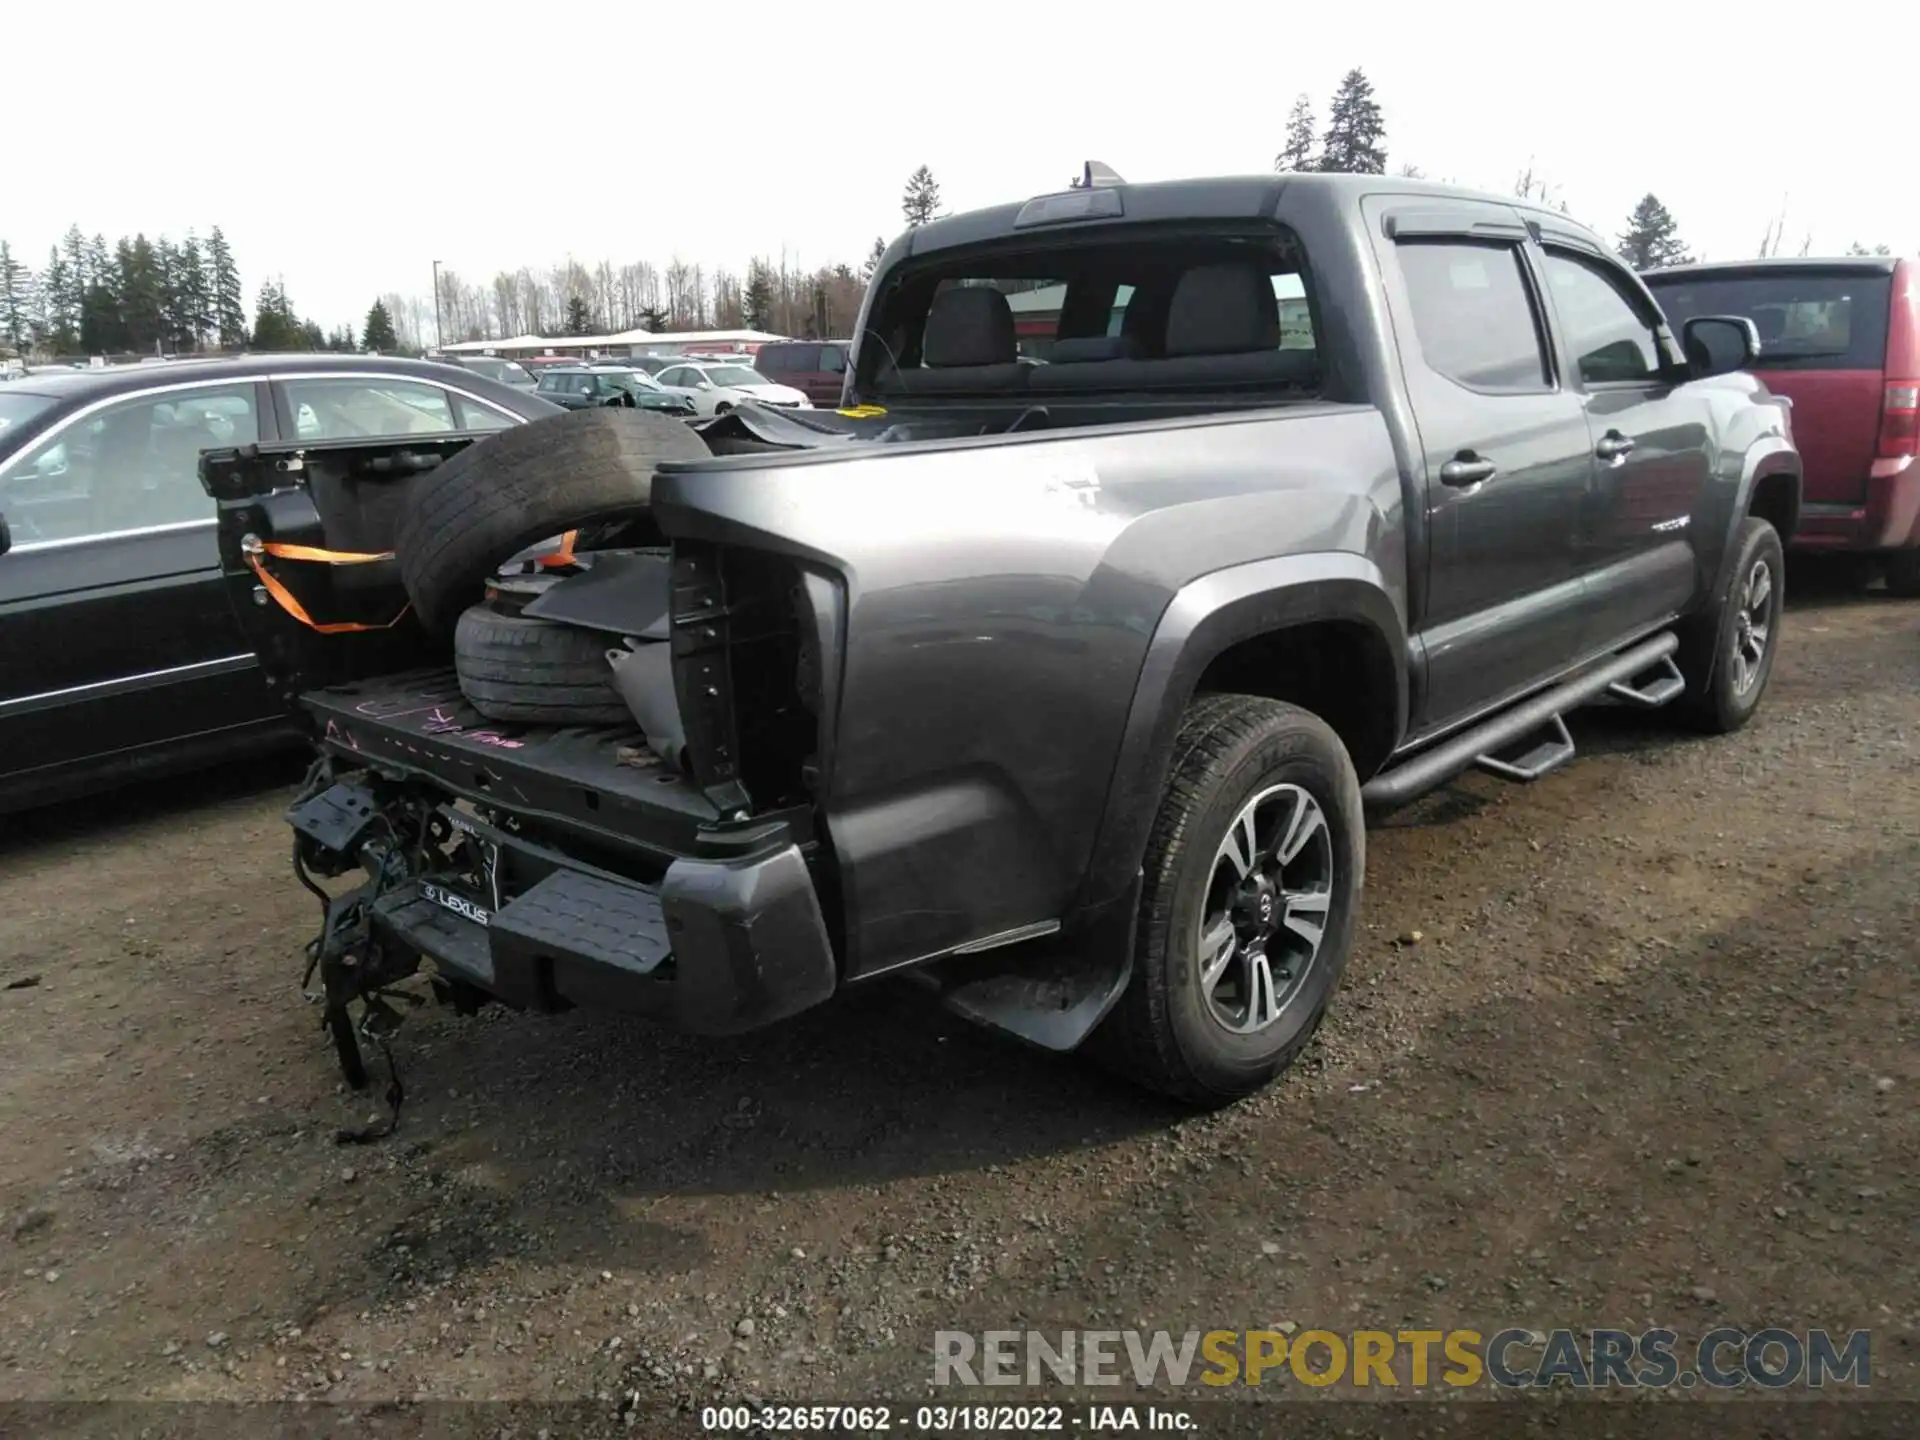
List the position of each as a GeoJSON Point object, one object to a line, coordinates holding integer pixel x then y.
{"type": "Point", "coordinates": [492, 500]}
{"type": "Point", "coordinates": [518, 670]}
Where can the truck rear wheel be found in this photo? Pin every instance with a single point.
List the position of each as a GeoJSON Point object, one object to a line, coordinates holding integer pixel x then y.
{"type": "Point", "coordinates": [498, 496]}
{"type": "Point", "coordinates": [1251, 894]}
{"type": "Point", "coordinates": [1726, 653]}
{"type": "Point", "coordinates": [519, 670]}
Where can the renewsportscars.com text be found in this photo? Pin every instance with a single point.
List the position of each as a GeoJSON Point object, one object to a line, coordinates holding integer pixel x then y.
{"type": "Point", "coordinates": [1722, 1359]}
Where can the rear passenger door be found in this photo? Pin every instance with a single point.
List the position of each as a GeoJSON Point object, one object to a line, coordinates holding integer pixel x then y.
{"type": "Point", "coordinates": [116, 630]}
{"type": "Point", "coordinates": [1505, 448]}
{"type": "Point", "coordinates": [1651, 439]}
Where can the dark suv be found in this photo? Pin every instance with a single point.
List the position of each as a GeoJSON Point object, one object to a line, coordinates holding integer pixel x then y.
{"type": "Point", "coordinates": [577, 387]}
{"type": "Point", "coordinates": [816, 368]}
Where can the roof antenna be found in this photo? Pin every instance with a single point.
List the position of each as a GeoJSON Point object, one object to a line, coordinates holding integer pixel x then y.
{"type": "Point", "coordinates": [1095, 174]}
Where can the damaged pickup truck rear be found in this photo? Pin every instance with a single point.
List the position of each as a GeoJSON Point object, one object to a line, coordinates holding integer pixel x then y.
{"type": "Point", "coordinates": [1168, 531]}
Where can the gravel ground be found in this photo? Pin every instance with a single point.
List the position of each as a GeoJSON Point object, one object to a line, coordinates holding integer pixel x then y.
{"type": "Point", "coordinates": [1634, 1045]}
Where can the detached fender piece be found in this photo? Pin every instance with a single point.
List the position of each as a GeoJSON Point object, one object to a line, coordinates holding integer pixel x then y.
{"type": "Point", "coordinates": [783, 429]}
{"type": "Point", "coordinates": [1206, 619]}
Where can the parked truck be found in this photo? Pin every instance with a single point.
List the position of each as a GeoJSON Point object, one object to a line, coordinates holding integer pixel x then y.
{"type": "Point", "coordinates": [1065, 689]}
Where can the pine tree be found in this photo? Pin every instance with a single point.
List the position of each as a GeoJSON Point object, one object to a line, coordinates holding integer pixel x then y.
{"type": "Point", "coordinates": [60, 306]}
{"type": "Point", "coordinates": [874, 257]}
{"type": "Point", "coordinates": [310, 335]}
{"type": "Point", "coordinates": [229, 303]}
{"type": "Point", "coordinates": [195, 294]}
{"type": "Point", "coordinates": [1856, 248]}
{"type": "Point", "coordinates": [103, 329]}
{"type": "Point", "coordinates": [377, 334]}
{"type": "Point", "coordinates": [274, 325]}
{"type": "Point", "coordinates": [1652, 238]}
{"type": "Point", "coordinates": [757, 311]}
{"type": "Point", "coordinates": [654, 320]}
{"type": "Point", "coordinates": [1355, 142]}
{"type": "Point", "coordinates": [1297, 153]}
{"type": "Point", "coordinates": [170, 279]}
{"type": "Point", "coordinates": [73, 249]}
{"type": "Point", "coordinates": [16, 301]}
{"type": "Point", "coordinates": [579, 317]}
{"type": "Point", "coordinates": [921, 197]}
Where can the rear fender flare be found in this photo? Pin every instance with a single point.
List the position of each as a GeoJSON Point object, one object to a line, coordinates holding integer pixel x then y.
{"type": "Point", "coordinates": [1207, 617]}
{"type": "Point", "coordinates": [1769, 456]}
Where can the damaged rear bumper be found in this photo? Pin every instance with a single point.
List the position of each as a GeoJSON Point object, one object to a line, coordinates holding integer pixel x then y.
{"type": "Point", "coordinates": [472, 843]}
{"type": "Point", "coordinates": [715, 948]}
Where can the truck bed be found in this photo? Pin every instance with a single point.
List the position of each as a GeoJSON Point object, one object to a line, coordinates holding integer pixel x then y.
{"type": "Point", "coordinates": [600, 782]}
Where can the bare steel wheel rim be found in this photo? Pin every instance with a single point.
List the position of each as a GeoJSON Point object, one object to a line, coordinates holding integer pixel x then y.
{"type": "Point", "coordinates": [1269, 899]}
{"type": "Point", "coordinates": [1752, 626]}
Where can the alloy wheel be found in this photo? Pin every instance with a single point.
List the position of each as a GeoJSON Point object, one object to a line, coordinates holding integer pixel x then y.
{"type": "Point", "coordinates": [1752, 626]}
{"type": "Point", "coordinates": [1267, 908]}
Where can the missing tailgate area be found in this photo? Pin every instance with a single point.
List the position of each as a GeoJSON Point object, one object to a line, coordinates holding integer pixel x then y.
{"type": "Point", "coordinates": [546, 867]}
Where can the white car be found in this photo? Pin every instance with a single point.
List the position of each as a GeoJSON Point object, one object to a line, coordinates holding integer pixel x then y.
{"type": "Point", "coordinates": [716, 386]}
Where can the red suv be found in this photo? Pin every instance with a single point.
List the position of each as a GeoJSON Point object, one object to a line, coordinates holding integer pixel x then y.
{"type": "Point", "coordinates": [816, 368]}
{"type": "Point", "coordinates": [1841, 339]}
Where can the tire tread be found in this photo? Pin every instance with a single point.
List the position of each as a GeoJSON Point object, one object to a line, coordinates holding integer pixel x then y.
{"type": "Point", "coordinates": [517, 669]}
{"type": "Point", "coordinates": [465, 517]}
{"type": "Point", "coordinates": [1137, 1039]}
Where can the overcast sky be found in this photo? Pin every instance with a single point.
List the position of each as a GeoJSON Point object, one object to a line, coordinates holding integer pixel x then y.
{"type": "Point", "coordinates": [345, 146]}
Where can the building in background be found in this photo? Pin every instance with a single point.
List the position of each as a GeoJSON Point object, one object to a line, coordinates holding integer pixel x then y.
{"type": "Point", "coordinates": [625, 342]}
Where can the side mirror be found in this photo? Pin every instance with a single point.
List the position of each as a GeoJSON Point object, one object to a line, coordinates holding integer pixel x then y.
{"type": "Point", "coordinates": [1719, 344]}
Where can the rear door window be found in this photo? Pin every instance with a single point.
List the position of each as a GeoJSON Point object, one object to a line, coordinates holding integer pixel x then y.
{"type": "Point", "coordinates": [475, 415]}
{"type": "Point", "coordinates": [343, 409]}
{"type": "Point", "coordinates": [1808, 319]}
{"type": "Point", "coordinates": [833, 360]}
{"type": "Point", "coordinates": [1474, 315]}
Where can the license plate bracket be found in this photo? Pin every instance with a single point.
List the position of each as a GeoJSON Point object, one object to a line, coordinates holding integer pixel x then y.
{"type": "Point", "coordinates": [465, 906]}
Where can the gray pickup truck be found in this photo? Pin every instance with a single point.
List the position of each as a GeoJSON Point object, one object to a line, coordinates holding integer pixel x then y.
{"type": "Point", "coordinates": [1063, 687]}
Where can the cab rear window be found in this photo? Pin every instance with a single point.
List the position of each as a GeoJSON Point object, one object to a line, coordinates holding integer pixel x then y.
{"type": "Point", "coordinates": [1807, 319]}
{"type": "Point", "coordinates": [1142, 311]}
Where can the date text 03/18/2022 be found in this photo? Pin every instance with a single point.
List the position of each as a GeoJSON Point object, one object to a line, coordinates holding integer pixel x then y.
{"type": "Point", "coordinates": [961, 1419]}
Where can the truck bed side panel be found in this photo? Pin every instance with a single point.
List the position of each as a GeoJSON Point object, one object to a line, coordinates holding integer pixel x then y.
{"type": "Point", "coordinates": [999, 606]}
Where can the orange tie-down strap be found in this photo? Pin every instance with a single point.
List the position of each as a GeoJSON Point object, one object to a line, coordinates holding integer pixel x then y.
{"type": "Point", "coordinates": [564, 555]}
{"type": "Point", "coordinates": [288, 602]}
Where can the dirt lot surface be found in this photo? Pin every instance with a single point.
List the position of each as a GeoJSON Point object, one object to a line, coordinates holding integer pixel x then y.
{"type": "Point", "coordinates": [1636, 1045]}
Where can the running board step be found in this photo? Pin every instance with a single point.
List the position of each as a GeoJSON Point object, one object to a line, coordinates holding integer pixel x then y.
{"type": "Point", "coordinates": [1547, 749]}
{"type": "Point", "coordinates": [1401, 783]}
{"type": "Point", "coordinates": [1652, 687]}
